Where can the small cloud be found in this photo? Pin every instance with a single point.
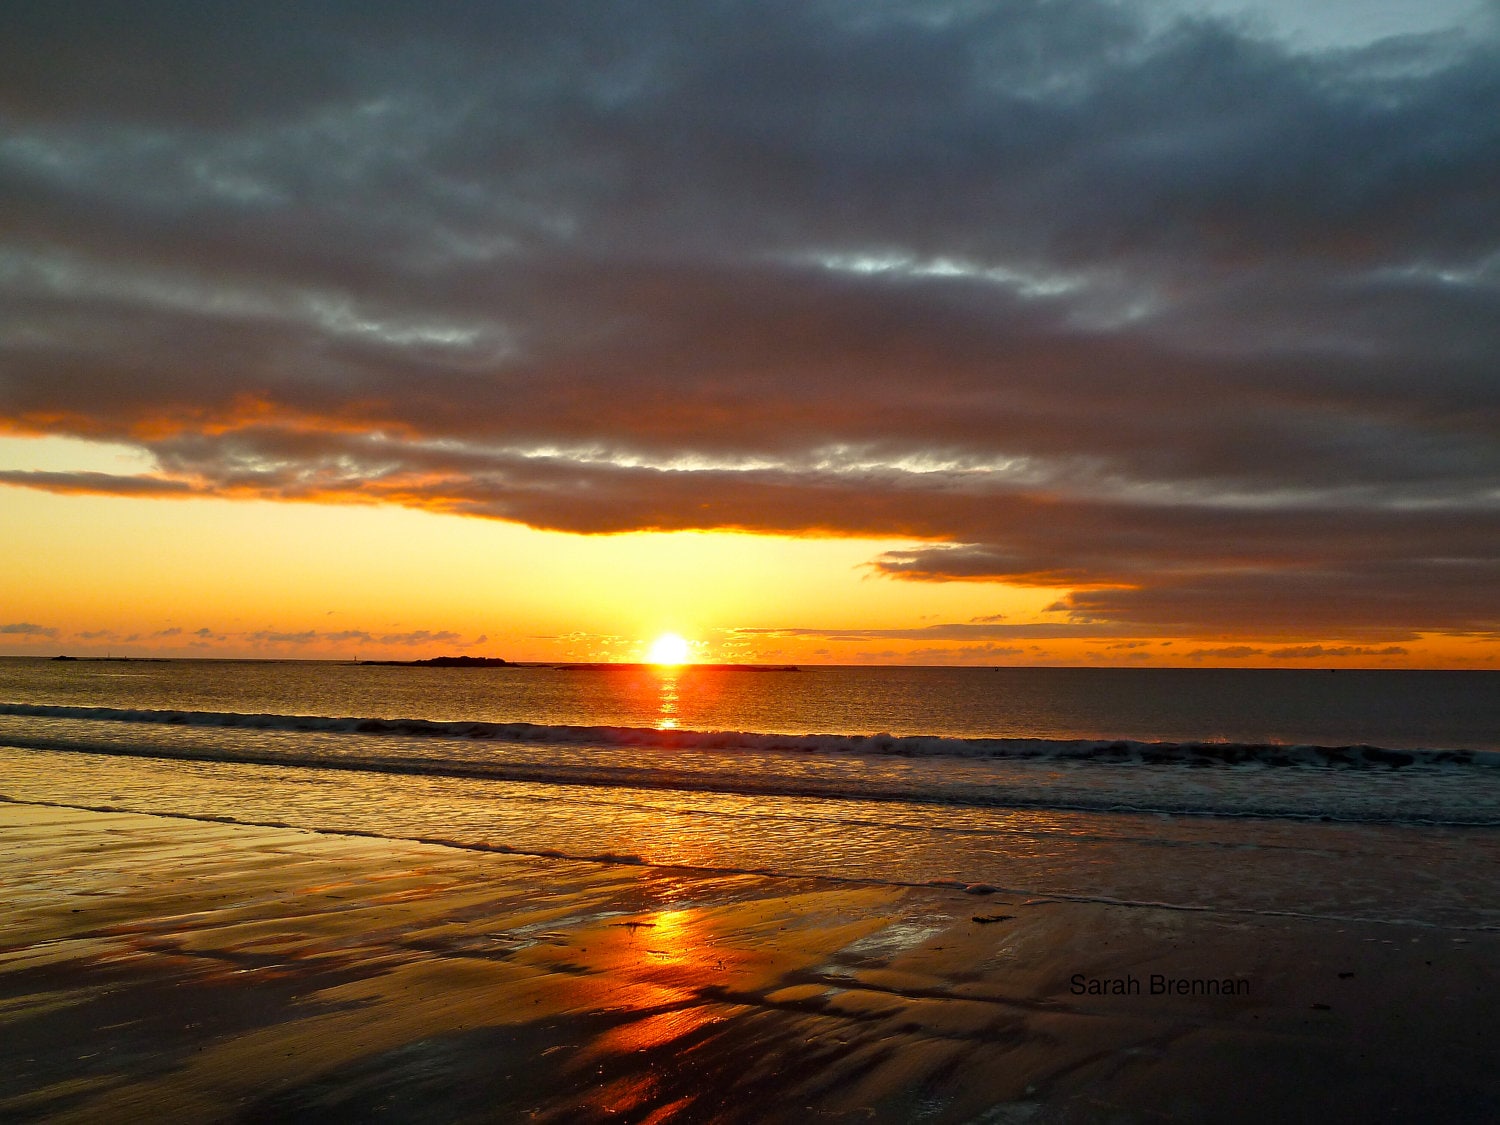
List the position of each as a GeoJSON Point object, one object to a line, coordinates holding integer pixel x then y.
{"type": "Point", "coordinates": [952, 631]}
{"type": "Point", "coordinates": [98, 484]}
{"type": "Point", "coordinates": [419, 637]}
{"type": "Point", "coordinates": [1231, 652]}
{"type": "Point", "coordinates": [27, 629]}
{"type": "Point", "coordinates": [1313, 652]}
{"type": "Point", "coordinates": [987, 619]}
{"type": "Point", "coordinates": [269, 637]}
{"type": "Point", "coordinates": [959, 654]}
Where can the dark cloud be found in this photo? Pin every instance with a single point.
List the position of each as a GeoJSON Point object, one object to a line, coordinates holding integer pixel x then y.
{"type": "Point", "coordinates": [960, 654]}
{"type": "Point", "coordinates": [27, 629]}
{"type": "Point", "coordinates": [954, 632]}
{"type": "Point", "coordinates": [1310, 652]}
{"type": "Point", "coordinates": [271, 636]}
{"type": "Point", "coordinates": [419, 637]}
{"type": "Point", "coordinates": [103, 484]}
{"type": "Point", "coordinates": [344, 636]}
{"type": "Point", "coordinates": [1295, 652]}
{"type": "Point", "coordinates": [1195, 327]}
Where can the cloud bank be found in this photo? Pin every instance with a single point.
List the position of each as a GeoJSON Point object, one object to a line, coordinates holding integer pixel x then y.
{"type": "Point", "coordinates": [1201, 329]}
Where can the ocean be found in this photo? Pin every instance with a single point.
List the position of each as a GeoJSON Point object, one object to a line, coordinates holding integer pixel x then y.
{"type": "Point", "coordinates": [1366, 795]}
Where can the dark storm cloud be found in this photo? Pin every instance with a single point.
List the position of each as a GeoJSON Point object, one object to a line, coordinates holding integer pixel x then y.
{"type": "Point", "coordinates": [1200, 328]}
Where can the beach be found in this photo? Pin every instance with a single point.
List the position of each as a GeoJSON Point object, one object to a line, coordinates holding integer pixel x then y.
{"type": "Point", "coordinates": [176, 968]}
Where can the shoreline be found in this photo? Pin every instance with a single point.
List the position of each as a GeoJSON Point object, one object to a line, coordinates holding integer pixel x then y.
{"type": "Point", "coordinates": [155, 967]}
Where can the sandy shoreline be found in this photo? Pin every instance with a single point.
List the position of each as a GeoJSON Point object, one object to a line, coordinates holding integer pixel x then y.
{"type": "Point", "coordinates": [159, 968]}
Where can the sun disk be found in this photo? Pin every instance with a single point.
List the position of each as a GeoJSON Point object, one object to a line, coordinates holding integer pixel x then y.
{"type": "Point", "coordinates": [669, 648]}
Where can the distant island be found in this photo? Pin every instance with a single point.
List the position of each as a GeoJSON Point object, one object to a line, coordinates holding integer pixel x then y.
{"type": "Point", "coordinates": [496, 662]}
{"type": "Point", "coordinates": [116, 659]}
{"type": "Point", "coordinates": [446, 662]}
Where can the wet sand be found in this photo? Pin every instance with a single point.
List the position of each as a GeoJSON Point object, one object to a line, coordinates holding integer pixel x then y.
{"type": "Point", "coordinates": [159, 968]}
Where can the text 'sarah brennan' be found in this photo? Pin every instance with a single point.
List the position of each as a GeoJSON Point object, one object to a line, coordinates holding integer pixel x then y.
{"type": "Point", "coordinates": [1158, 984]}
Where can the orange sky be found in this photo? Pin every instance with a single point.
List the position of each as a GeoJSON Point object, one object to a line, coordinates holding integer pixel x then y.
{"type": "Point", "coordinates": [231, 578]}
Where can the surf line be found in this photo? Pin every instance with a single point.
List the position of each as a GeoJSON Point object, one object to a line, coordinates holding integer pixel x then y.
{"type": "Point", "coordinates": [1031, 898]}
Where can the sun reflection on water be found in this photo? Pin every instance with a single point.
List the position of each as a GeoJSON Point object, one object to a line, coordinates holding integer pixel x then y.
{"type": "Point", "coordinates": [667, 706]}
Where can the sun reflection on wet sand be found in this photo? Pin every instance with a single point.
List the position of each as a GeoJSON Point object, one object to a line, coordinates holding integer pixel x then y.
{"type": "Point", "coordinates": [652, 969]}
{"type": "Point", "coordinates": [287, 976]}
{"type": "Point", "coordinates": [671, 936]}
{"type": "Point", "coordinates": [641, 1036]}
{"type": "Point", "coordinates": [677, 948]}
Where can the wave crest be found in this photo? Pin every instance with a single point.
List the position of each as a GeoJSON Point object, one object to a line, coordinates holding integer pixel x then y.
{"type": "Point", "coordinates": [1191, 753]}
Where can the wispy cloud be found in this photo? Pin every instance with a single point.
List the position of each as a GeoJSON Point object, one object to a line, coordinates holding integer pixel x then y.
{"type": "Point", "coordinates": [1313, 652]}
{"type": "Point", "coordinates": [27, 629]}
{"type": "Point", "coordinates": [342, 637]}
{"type": "Point", "coordinates": [951, 632]}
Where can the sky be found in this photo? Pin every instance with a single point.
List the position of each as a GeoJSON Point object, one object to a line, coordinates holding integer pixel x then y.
{"type": "Point", "coordinates": [1136, 332]}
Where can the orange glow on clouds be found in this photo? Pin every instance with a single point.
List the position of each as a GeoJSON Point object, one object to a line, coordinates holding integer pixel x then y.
{"type": "Point", "coordinates": [96, 575]}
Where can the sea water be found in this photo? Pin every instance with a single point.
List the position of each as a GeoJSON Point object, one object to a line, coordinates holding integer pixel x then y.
{"type": "Point", "coordinates": [1350, 794]}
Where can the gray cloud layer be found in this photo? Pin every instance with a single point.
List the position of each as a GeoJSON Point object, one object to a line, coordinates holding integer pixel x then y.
{"type": "Point", "coordinates": [1201, 328]}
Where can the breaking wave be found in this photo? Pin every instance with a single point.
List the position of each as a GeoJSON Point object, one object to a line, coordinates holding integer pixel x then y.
{"type": "Point", "coordinates": [1123, 751]}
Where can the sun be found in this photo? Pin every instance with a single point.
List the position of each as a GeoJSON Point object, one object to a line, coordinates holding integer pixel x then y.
{"type": "Point", "coordinates": [669, 648]}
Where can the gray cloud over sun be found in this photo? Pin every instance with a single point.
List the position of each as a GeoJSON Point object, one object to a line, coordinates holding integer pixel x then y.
{"type": "Point", "coordinates": [1199, 328]}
